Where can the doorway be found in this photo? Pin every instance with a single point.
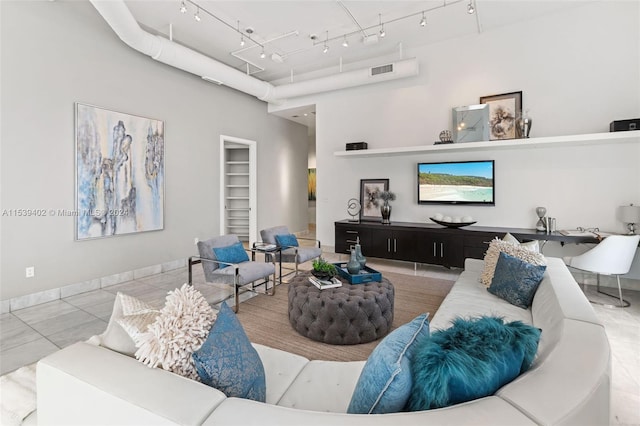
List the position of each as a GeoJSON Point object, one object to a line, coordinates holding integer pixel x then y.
{"type": "Point", "coordinates": [238, 188]}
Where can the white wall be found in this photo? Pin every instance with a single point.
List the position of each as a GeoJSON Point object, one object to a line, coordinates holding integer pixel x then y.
{"type": "Point", "coordinates": [58, 53]}
{"type": "Point", "coordinates": [574, 79]}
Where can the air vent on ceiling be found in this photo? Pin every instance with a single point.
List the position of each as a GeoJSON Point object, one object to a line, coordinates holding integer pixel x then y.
{"type": "Point", "coordinates": [382, 69]}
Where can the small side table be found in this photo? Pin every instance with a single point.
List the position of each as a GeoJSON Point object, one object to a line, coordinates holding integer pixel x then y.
{"type": "Point", "coordinates": [268, 250]}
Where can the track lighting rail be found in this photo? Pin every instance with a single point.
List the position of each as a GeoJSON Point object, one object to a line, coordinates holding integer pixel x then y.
{"type": "Point", "coordinates": [383, 23]}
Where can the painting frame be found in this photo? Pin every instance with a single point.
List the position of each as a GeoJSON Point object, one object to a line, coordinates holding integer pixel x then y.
{"type": "Point", "coordinates": [119, 173]}
{"type": "Point", "coordinates": [370, 210]}
{"type": "Point", "coordinates": [504, 110]}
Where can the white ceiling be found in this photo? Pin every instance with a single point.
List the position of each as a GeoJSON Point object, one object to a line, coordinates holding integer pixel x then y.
{"type": "Point", "coordinates": [285, 29]}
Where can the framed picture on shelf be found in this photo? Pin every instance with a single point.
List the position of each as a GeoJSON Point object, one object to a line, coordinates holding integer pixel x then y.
{"type": "Point", "coordinates": [369, 190]}
{"type": "Point", "coordinates": [503, 112]}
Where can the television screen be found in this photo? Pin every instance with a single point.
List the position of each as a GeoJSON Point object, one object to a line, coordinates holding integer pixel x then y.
{"type": "Point", "coordinates": [464, 182]}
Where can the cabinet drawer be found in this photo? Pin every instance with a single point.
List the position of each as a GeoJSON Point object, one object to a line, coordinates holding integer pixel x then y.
{"type": "Point", "coordinates": [346, 236]}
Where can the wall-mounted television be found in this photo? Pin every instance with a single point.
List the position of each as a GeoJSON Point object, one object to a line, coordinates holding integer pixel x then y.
{"type": "Point", "coordinates": [457, 182]}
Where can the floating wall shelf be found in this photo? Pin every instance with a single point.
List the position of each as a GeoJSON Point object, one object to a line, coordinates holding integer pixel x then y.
{"type": "Point", "coordinates": [572, 140]}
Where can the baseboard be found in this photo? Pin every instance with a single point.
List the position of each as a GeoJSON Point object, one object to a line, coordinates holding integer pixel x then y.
{"type": "Point", "coordinates": [45, 296]}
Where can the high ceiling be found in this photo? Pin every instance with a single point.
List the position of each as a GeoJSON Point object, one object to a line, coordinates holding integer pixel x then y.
{"type": "Point", "coordinates": [293, 33]}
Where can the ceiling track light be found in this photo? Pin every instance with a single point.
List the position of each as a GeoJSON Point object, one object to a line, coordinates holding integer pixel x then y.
{"type": "Point", "coordinates": [196, 16]}
{"type": "Point", "coordinates": [241, 35]}
{"type": "Point", "coordinates": [423, 21]}
{"type": "Point", "coordinates": [470, 8]}
{"type": "Point", "coordinates": [325, 49]}
{"type": "Point", "coordinates": [345, 43]}
{"type": "Point", "coordinates": [262, 54]}
{"type": "Point", "coordinates": [382, 31]}
{"type": "Point", "coordinates": [183, 7]}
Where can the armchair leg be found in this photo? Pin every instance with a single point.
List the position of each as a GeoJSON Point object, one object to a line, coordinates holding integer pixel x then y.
{"type": "Point", "coordinates": [623, 303]}
{"type": "Point", "coordinates": [236, 301]}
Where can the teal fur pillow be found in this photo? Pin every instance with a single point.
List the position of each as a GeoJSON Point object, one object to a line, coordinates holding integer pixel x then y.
{"type": "Point", "coordinates": [471, 359]}
{"type": "Point", "coordinates": [228, 362]}
{"type": "Point", "coordinates": [234, 253]}
{"type": "Point", "coordinates": [287, 240]}
{"type": "Point", "coordinates": [385, 381]}
{"type": "Point", "coordinates": [515, 280]}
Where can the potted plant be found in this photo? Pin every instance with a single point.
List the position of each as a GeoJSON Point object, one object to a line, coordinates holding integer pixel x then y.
{"type": "Point", "coordinates": [322, 269]}
{"type": "Point", "coordinates": [385, 209]}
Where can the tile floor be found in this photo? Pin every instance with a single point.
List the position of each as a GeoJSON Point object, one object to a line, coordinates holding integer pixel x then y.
{"type": "Point", "coordinates": [26, 335]}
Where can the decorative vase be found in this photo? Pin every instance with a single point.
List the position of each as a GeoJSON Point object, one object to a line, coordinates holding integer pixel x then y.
{"type": "Point", "coordinates": [353, 266]}
{"type": "Point", "coordinates": [385, 209]}
{"type": "Point", "coordinates": [359, 256]}
{"type": "Point", "coordinates": [523, 125]}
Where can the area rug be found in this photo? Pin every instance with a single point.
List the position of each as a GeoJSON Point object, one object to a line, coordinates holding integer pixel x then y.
{"type": "Point", "coordinates": [266, 321]}
{"type": "Point", "coordinates": [17, 395]}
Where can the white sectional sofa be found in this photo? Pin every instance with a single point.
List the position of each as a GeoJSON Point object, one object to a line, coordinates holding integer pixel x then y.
{"type": "Point", "coordinates": [568, 384]}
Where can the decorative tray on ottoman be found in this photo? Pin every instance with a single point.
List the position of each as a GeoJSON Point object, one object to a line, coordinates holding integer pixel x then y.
{"type": "Point", "coordinates": [365, 275]}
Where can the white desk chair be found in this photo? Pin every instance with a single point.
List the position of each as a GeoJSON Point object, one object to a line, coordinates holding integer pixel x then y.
{"type": "Point", "coordinates": [613, 256]}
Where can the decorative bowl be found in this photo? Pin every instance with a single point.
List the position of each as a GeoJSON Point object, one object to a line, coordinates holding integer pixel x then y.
{"type": "Point", "coordinates": [321, 275]}
{"type": "Point", "coordinates": [452, 224]}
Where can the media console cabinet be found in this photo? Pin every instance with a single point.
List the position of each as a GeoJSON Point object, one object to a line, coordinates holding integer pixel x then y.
{"type": "Point", "coordinates": [432, 243]}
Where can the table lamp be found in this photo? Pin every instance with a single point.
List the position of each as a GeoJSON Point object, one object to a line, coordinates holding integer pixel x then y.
{"type": "Point", "coordinates": [631, 216]}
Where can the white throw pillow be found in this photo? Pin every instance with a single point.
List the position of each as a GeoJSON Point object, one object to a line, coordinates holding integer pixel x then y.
{"type": "Point", "coordinates": [533, 246]}
{"type": "Point", "coordinates": [118, 335]}
{"type": "Point", "coordinates": [180, 329]}
{"type": "Point", "coordinates": [493, 253]}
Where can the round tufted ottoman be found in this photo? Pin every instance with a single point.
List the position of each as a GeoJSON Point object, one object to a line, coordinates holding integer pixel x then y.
{"type": "Point", "coordinates": [346, 315]}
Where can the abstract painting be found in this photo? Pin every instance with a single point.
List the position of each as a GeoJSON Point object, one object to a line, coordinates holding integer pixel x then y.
{"type": "Point", "coordinates": [311, 184]}
{"type": "Point", "coordinates": [119, 173]}
{"type": "Point", "coordinates": [369, 191]}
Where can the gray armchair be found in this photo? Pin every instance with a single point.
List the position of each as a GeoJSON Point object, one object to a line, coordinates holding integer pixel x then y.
{"type": "Point", "coordinates": [236, 274]}
{"type": "Point", "coordinates": [291, 254]}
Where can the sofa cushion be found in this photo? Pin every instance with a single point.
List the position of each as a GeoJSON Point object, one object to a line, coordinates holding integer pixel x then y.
{"type": "Point", "coordinates": [287, 240]}
{"type": "Point", "coordinates": [227, 360]}
{"type": "Point", "coordinates": [179, 330]}
{"type": "Point", "coordinates": [470, 360]}
{"type": "Point", "coordinates": [281, 368]}
{"type": "Point", "coordinates": [385, 382]}
{"type": "Point", "coordinates": [323, 386]}
{"type": "Point", "coordinates": [234, 253]}
{"type": "Point", "coordinates": [493, 252]}
{"type": "Point", "coordinates": [468, 298]}
{"type": "Point", "coordinates": [515, 280]}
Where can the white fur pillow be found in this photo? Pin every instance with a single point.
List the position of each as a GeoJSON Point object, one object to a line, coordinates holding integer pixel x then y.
{"type": "Point", "coordinates": [493, 252]}
{"type": "Point", "coordinates": [180, 329]}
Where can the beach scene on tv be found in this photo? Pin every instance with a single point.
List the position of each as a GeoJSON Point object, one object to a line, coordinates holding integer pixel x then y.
{"type": "Point", "coordinates": [456, 182]}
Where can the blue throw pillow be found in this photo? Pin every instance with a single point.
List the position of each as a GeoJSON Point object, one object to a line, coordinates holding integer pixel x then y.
{"type": "Point", "coordinates": [234, 253]}
{"type": "Point", "coordinates": [471, 359]}
{"type": "Point", "coordinates": [515, 280]}
{"type": "Point", "coordinates": [384, 384]}
{"type": "Point", "coordinates": [228, 362]}
{"type": "Point", "coordinates": [287, 240]}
